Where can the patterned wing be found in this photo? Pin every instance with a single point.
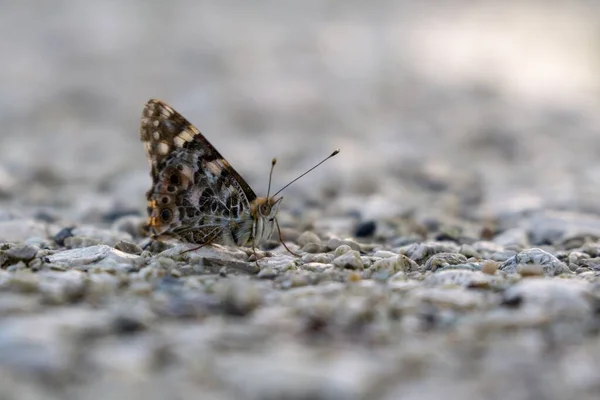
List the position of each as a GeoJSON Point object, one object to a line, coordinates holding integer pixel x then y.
{"type": "Point", "coordinates": [196, 196]}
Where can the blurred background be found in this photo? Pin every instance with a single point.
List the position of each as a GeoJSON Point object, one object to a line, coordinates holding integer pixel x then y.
{"type": "Point", "coordinates": [468, 108]}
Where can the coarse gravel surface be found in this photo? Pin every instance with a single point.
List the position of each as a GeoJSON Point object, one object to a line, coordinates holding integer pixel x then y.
{"type": "Point", "coordinates": [451, 250]}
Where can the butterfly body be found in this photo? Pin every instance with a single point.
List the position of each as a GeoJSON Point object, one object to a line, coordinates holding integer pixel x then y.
{"type": "Point", "coordinates": [196, 195]}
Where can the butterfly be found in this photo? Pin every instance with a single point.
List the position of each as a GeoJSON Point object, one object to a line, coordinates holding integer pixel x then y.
{"type": "Point", "coordinates": [196, 195]}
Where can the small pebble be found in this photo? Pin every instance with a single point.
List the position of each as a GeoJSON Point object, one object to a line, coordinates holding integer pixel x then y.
{"type": "Point", "coordinates": [490, 267]}
{"type": "Point", "coordinates": [354, 277]}
{"type": "Point", "coordinates": [21, 253]}
{"type": "Point", "coordinates": [365, 229]}
{"type": "Point", "coordinates": [342, 249]}
{"type": "Point", "coordinates": [314, 248]}
{"type": "Point", "coordinates": [440, 260]}
{"type": "Point", "coordinates": [469, 251]}
{"type": "Point", "coordinates": [333, 243]}
{"type": "Point", "coordinates": [530, 270]}
{"type": "Point", "coordinates": [349, 260]}
{"type": "Point", "coordinates": [551, 265]}
{"type": "Point", "coordinates": [128, 247]}
{"type": "Point", "coordinates": [63, 234]}
{"type": "Point", "coordinates": [323, 258]}
{"type": "Point", "coordinates": [308, 237]}
{"type": "Point", "coordinates": [388, 265]}
{"type": "Point", "coordinates": [384, 254]}
{"type": "Point", "coordinates": [267, 273]}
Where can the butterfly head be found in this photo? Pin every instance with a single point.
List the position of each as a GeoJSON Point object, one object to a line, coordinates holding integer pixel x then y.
{"type": "Point", "coordinates": [264, 211]}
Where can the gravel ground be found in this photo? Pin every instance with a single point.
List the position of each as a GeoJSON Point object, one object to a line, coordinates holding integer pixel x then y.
{"type": "Point", "coordinates": [451, 250]}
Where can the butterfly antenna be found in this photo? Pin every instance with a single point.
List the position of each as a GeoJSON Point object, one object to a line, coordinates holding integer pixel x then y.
{"type": "Point", "coordinates": [271, 175]}
{"type": "Point", "coordinates": [325, 159]}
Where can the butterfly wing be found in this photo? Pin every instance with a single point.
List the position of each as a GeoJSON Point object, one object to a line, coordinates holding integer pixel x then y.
{"type": "Point", "coordinates": [196, 196]}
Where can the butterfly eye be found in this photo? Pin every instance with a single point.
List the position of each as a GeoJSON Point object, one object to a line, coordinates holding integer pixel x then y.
{"type": "Point", "coordinates": [166, 215]}
{"type": "Point", "coordinates": [265, 209]}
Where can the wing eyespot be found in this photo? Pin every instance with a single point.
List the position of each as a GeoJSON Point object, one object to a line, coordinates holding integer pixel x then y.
{"type": "Point", "coordinates": [166, 215]}
{"type": "Point", "coordinates": [175, 179]}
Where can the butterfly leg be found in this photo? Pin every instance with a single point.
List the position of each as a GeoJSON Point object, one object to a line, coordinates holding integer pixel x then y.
{"type": "Point", "coordinates": [255, 255]}
{"type": "Point", "coordinates": [282, 242]}
{"type": "Point", "coordinates": [195, 248]}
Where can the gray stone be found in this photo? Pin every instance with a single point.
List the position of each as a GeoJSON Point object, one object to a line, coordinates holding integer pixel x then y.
{"type": "Point", "coordinates": [577, 259]}
{"type": "Point", "coordinates": [551, 265]}
{"type": "Point", "coordinates": [462, 278]}
{"type": "Point", "coordinates": [267, 273]}
{"type": "Point", "coordinates": [280, 262]}
{"type": "Point", "coordinates": [556, 298]}
{"type": "Point", "coordinates": [406, 264]}
{"type": "Point", "coordinates": [342, 249]}
{"type": "Point", "coordinates": [383, 268]}
{"type": "Point", "coordinates": [384, 254]}
{"type": "Point", "coordinates": [314, 248]}
{"type": "Point", "coordinates": [213, 258]}
{"type": "Point", "coordinates": [100, 255]}
{"type": "Point", "coordinates": [441, 260]}
{"type": "Point", "coordinates": [335, 243]}
{"type": "Point", "coordinates": [353, 245]}
{"type": "Point", "coordinates": [349, 260]}
{"type": "Point", "coordinates": [317, 267]}
{"type": "Point", "coordinates": [322, 258]}
{"type": "Point", "coordinates": [469, 251]}
{"type": "Point", "coordinates": [22, 253]}
{"type": "Point", "coordinates": [308, 237]}
{"type": "Point", "coordinates": [392, 265]}
{"type": "Point", "coordinates": [470, 266]}
{"type": "Point", "coordinates": [420, 252]}
{"type": "Point", "coordinates": [128, 247]}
